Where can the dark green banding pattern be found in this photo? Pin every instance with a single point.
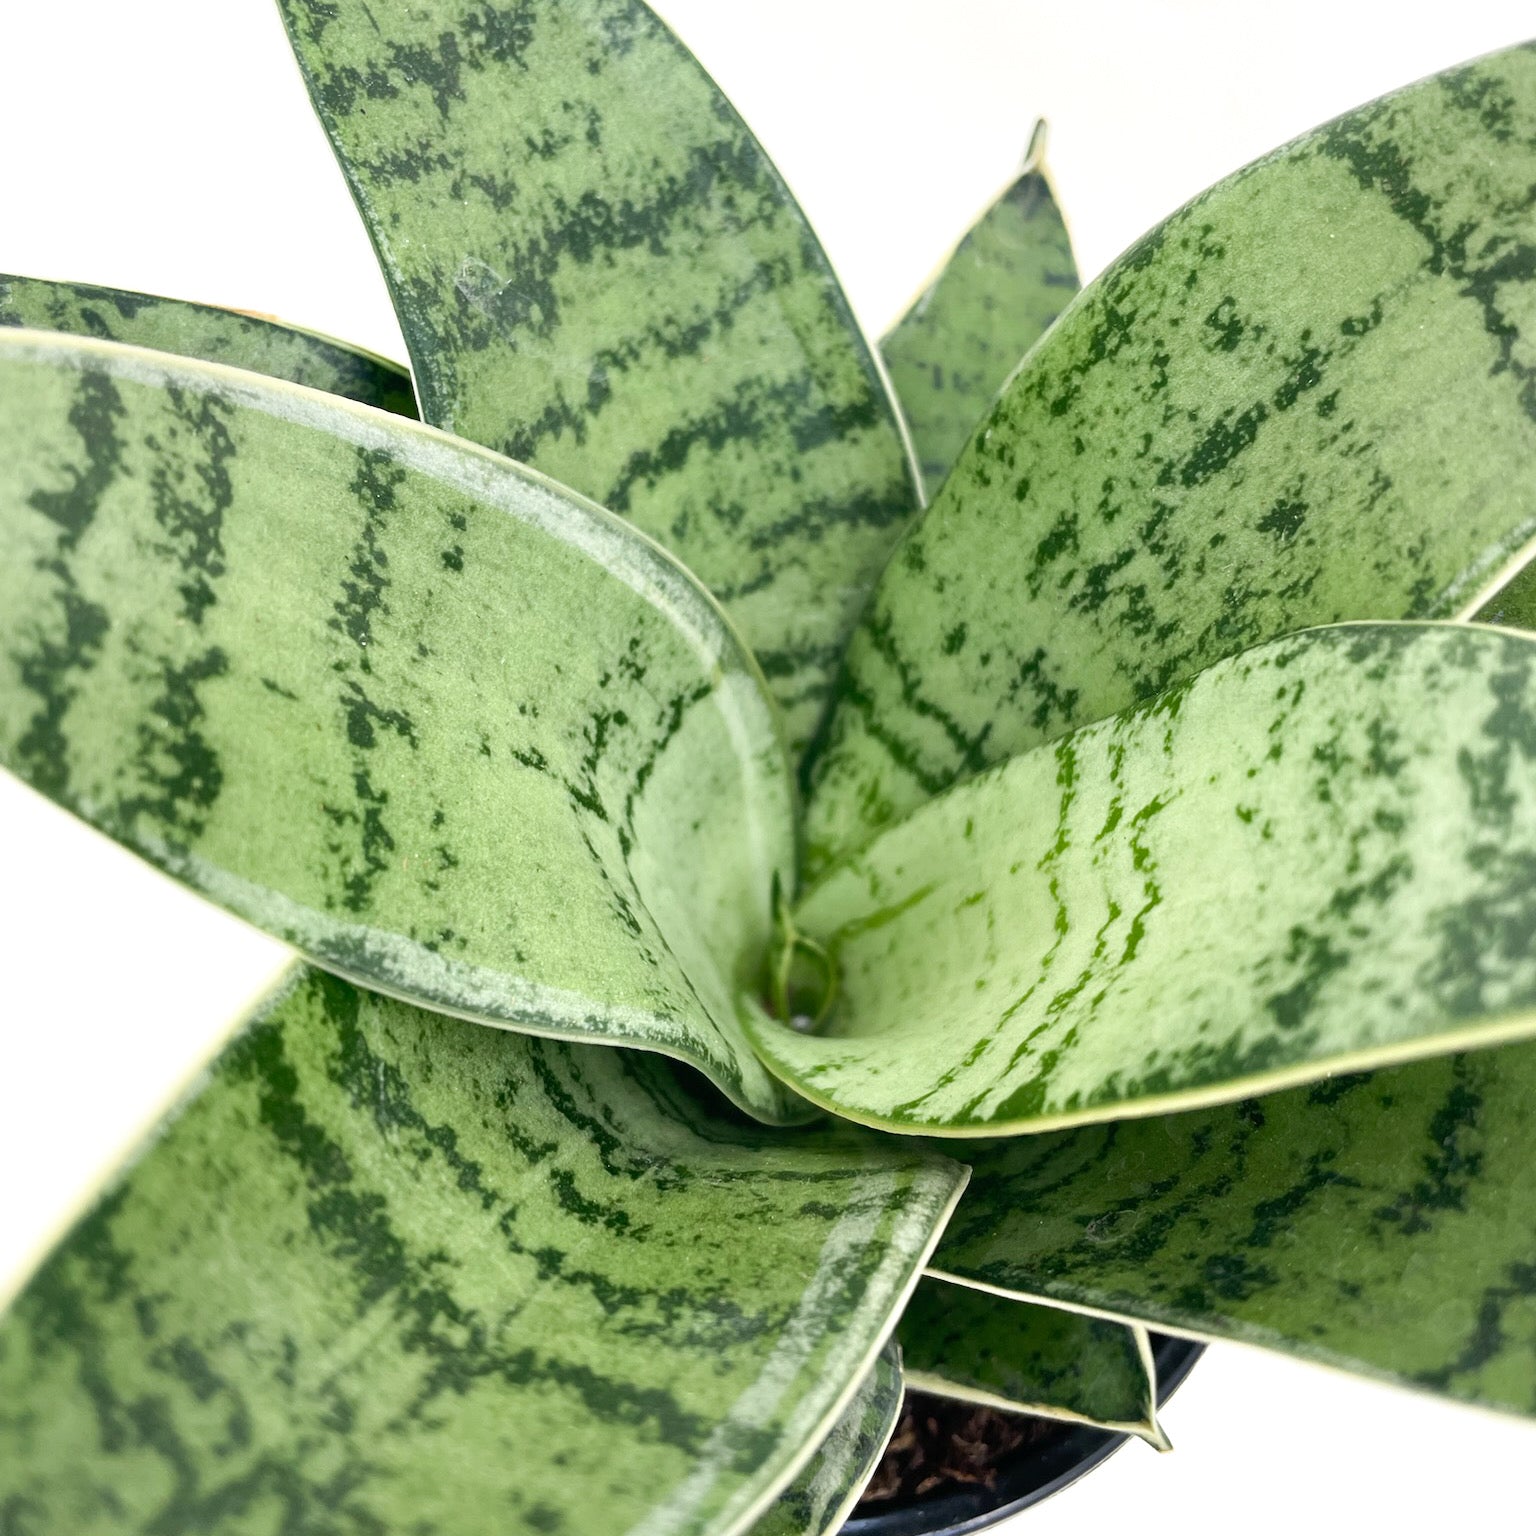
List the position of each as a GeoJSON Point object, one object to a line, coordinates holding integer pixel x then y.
{"type": "Point", "coordinates": [955, 348]}
{"type": "Point", "coordinates": [434, 720]}
{"type": "Point", "coordinates": [829, 1485]}
{"type": "Point", "coordinates": [1381, 1222]}
{"type": "Point", "coordinates": [599, 273]}
{"type": "Point", "coordinates": [1514, 605]}
{"type": "Point", "coordinates": [214, 335]}
{"type": "Point", "coordinates": [1026, 1358]}
{"type": "Point", "coordinates": [1318, 855]}
{"type": "Point", "coordinates": [390, 1272]}
{"type": "Point", "coordinates": [1305, 398]}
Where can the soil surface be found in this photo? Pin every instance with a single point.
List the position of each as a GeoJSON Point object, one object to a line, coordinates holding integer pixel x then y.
{"type": "Point", "coordinates": [940, 1445]}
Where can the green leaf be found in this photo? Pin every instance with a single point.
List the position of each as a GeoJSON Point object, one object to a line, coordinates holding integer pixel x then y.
{"type": "Point", "coordinates": [991, 302]}
{"type": "Point", "coordinates": [1380, 1222]}
{"type": "Point", "coordinates": [1305, 398]}
{"type": "Point", "coordinates": [1317, 856]}
{"type": "Point", "coordinates": [432, 719]}
{"type": "Point", "coordinates": [215, 335]}
{"type": "Point", "coordinates": [598, 272]}
{"type": "Point", "coordinates": [829, 1485]}
{"type": "Point", "coordinates": [388, 1271]}
{"type": "Point", "coordinates": [1514, 604]}
{"type": "Point", "coordinates": [1023, 1358]}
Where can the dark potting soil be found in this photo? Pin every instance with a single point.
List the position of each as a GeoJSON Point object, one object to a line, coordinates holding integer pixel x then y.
{"type": "Point", "coordinates": [940, 1445]}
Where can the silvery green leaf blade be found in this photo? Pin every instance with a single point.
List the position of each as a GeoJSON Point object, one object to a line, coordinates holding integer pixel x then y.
{"type": "Point", "coordinates": [830, 1483]}
{"type": "Point", "coordinates": [215, 335]}
{"type": "Point", "coordinates": [1317, 856]}
{"type": "Point", "coordinates": [1025, 1358]}
{"type": "Point", "coordinates": [598, 272]}
{"type": "Point", "coordinates": [1380, 1222]}
{"type": "Point", "coordinates": [1004, 284]}
{"type": "Point", "coordinates": [1305, 398]}
{"type": "Point", "coordinates": [388, 1271]}
{"type": "Point", "coordinates": [429, 717]}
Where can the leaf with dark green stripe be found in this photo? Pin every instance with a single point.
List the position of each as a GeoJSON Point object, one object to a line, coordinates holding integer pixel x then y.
{"type": "Point", "coordinates": [829, 1485]}
{"type": "Point", "coordinates": [598, 272]}
{"type": "Point", "coordinates": [1316, 856]}
{"type": "Point", "coordinates": [1023, 1358]}
{"type": "Point", "coordinates": [432, 719]}
{"type": "Point", "coordinates": [390, 1271]}
{"type": "Point", "coordinates": [1514, 604]}
{"type": "Point", "coordinates": [1305, 398]}
{"type": "Point", "coordinates": [1381, 1222]}
{"type": "Point", "coordinates": [215, 335]}
{"type": "Point", "coordinates": [993, 299]}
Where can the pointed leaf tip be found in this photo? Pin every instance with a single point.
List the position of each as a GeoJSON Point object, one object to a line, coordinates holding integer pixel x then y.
{"type": "Point", "coordinates": [1022, 1357]}
{"type": "Point", "coordinates": [965, 334]}
{"type": "Point", "coordinates": [1303, 398]}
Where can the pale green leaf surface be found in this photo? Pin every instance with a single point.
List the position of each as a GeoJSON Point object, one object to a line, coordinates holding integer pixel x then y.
{"type": "Point", "coordinates": [215, 335]}
{"type": "Point", "coordinates": [1305, 398]}
{"type": "Point", "coordinates": [432, 719]}
{"type": "Point", "coordinates": [1005, 283]}
{"type": "Point", "coordinates": [829, 1485]}
{"type": "Point", "coordinates": [1025, 1358]}
{"type": "Point", "coordinates": [598, 272]}
{"type": "Point", "coordinates": [1380, 1222]}
{"type": "Point", "coordinates": [1316, 856]}
{"type": "Point", "coordinates": [387, 1271]}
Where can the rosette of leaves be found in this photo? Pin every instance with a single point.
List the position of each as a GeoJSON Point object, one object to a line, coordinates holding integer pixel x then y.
{"type": "Point", "coordinates": [761, 936]}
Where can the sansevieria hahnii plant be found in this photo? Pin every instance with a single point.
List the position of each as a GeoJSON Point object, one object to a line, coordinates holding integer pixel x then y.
{"type": "Point", "coordinates": [763, 934]}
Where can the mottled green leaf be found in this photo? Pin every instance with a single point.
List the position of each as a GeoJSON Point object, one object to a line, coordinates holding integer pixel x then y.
{"type": "Point", "coordinates": [829, 1485]}
{"type": "Point", "coordinates": [215, 335]}
{"type": "Point", "coordinates": [432, 719]}
{"type": "Point", "coordinates": [991, 302]}
{"type": "Point", "coordinates": [386, 1271]}
{"type": "Point", "coordinates": [1025, 1358]}
{"type": "Point", "coordinates": [1305, 398]}
{"type": "Point", "coordinates": [1514, 604]}
{"type": "Point", "coordinates": [598, 272]}
{"type": "Point", "coordinates": [1319, 855]}
{"type": "Point", "coordinates": [1381, 1222]}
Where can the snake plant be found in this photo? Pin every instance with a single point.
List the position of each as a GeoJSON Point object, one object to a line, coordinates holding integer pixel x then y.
{"type": "Point", "coordinates": [813, 867]}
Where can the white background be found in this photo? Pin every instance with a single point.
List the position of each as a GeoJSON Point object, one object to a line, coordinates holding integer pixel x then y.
{"type": "Point", "coordinates": [166, 145]}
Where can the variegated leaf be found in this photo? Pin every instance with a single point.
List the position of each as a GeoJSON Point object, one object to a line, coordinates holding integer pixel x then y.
{"type": "Point", "coordinates": [1380, 1222]}
{"type": "Point", "coordinates": [386, 1271]}
{"type": "Point", "coordinates": [1316, 856]}
{"type": "Point", "coordinates": [1305, 398]}
{"type": "Point", "coordinates": [598, 272]}
{"type": "Point", "coordinates": [952, 352]}
{"type": "Point", "coordinates": [437, 722]}
{"type": "Point", "coordinates": [1024, 1358]}
{"type": "Point", "coordinates": [1514, 604]}
{"type": "Point", "coordinates": [829, 1485]}
{"type": "Point", "coordinates": [215, 335]}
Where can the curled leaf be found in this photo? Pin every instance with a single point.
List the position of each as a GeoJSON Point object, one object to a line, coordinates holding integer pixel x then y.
{"type": "Point", "coordinates": [1316, 857]}
{"type": "Point", "coordinates": [432, 1275]}
{"type": "Point", "coordinates": [437, 722]}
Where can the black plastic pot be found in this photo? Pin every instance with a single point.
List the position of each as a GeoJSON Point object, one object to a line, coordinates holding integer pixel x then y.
{"type": "Point", "coordinates": [1034, 1473]}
